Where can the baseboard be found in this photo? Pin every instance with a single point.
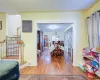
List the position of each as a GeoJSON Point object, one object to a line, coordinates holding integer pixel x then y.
{"type": "Point", "coordinates": [24, 65]}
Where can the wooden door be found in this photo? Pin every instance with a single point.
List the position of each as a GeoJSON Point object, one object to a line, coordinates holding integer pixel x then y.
{"type": "Point", "coordinates": [40, 40]}
{"type": "Point", "coordinates": [46, 44]}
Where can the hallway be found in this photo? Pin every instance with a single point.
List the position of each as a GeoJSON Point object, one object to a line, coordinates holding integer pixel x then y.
{"type": "Point", "coordinates": [55, 65]}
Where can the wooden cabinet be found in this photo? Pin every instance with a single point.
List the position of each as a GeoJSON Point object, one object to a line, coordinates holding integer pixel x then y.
{"type": "Point", "coordinates": [40, 41]}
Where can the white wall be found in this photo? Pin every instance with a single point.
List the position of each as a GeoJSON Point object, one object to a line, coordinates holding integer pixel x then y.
{"type": "Point", "coordinates": [60, 33]}
{"type": "Point", "coordinates": [38, 28]}
{"type": "Point", "coordinates": [13, 22]}
{"type": "Point", "coordinates": [50, 34]}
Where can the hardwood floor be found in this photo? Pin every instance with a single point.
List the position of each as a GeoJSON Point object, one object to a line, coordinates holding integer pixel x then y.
{"type": "Point", "coordinates": [11, 57]}
{"type": "Point", "coordinates": [55, 65]}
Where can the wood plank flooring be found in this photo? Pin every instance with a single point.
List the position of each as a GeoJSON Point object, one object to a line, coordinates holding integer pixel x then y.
{"type": "Point", "coordinates": [53, 65]}
{"type": "Point", "coordinates": [11, 57]}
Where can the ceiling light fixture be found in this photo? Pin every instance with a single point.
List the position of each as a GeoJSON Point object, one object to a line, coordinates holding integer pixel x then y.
{"type": "Point", "coordinates": [53, 27]}
{"type": "Point", "coordinates": [17, 15]}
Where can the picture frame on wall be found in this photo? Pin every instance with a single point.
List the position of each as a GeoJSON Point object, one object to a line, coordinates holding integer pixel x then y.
{"type": "Point", "coordinates": [0, 25]}
{"type": "Point", "coordinates": [27, 26]}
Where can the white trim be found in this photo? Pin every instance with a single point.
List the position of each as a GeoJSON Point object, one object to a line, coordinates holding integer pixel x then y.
{"type": "Point", "coordinates": [73, 42]}
{"type": "Point", "coordinates": [61, 21]}
{"type": "Point", "coordinates": [68, 27]}
{"type": "Point", "coordinates": [23, 66]}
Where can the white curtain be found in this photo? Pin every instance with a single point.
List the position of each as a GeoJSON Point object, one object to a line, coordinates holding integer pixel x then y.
{"type": "Point", "coordinates": [89, 30]}
{"type": "Point", "coordinates": [93, 29]}
{"type": "Point", "coordinates": [98, 24]}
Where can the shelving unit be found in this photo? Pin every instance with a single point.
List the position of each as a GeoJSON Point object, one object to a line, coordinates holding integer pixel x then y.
{"type": "Point", "coordinates": [91, 62]}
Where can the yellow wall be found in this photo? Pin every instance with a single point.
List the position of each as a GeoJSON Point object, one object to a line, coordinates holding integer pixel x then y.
{"type": "Point", "coordinates": [30, 38]}
{"type": "Point", "coordinates": [93, 9]}
{"type": "Point", "coordinates": [86, 14]}
{"type": "Point", "coordinates": [90, 11]}
{"type": "Point", "coordinates": [3, 31]}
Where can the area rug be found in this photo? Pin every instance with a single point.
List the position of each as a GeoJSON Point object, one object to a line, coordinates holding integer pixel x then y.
{"type": "Point", "coordinates": [51, 77]}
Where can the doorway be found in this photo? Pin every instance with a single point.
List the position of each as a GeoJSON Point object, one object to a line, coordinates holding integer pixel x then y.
{"type": "Point", "coordinates": [50, 35]}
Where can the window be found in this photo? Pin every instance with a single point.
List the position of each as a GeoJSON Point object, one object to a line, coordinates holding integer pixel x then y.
{"type": "Point", "coordinates": [93, 29]}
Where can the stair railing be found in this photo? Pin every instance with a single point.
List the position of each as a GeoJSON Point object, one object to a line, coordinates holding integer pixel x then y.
{"type": "Point", "coordinates": [21, 44]}
{"type": "Point", "coordinates": [1, 48]}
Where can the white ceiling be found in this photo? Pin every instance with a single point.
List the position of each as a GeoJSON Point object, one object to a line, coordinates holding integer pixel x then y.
{"type": "Point", "coordinates": [60, 26]}
{"type": "Point", "coordinates": [13, 6]}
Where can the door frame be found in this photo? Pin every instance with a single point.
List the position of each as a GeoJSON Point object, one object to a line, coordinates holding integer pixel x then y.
{"type": "Point", "coordinates": [59, 21]}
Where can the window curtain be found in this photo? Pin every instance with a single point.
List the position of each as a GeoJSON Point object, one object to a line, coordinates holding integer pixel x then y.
{"type": "Point", "coordinates": [89, 30]}
{"type": "Point", "coordinates": [98, 24]}
{"type": "Point", "coordinates": [93, 29]}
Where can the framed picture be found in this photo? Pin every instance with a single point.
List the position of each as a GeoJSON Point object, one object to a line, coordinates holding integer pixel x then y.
{"type": "Point", "coordinates": [0, 25]}
{"type": "Point", "coordinates": [26, 25]}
